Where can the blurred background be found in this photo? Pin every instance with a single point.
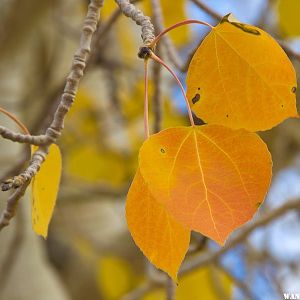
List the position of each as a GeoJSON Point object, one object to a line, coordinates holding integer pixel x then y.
{"type": "Point", "coordinates": [89, 253]}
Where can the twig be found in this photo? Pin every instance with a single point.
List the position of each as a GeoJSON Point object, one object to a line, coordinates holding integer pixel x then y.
{"type": "Point", "coordinates": [170, 289]}
{"type": "Point", "coordinates": [157, 68]}
{"type": "Point", "coordinates": [105, 28]}
{"type": "Point", "coordinates": [137, 293]}
{"type": "Point", "coordinates": [130, 11]}
{"type": "Point", "coordinates": [207, 9]}
{"type": "Point", "coordinates": [157, 101]}
{"type": "Point", "coordinates": [12, 251]}
{"type": "Point", "coordinates": [239, 283]}
{"type": "Point", "coordinates": [213, 258]}
{"type": "Point", "coordinates": [167, 42]}
{"type": "Point", "coordinates": [218, 18]}
{"type": "Point", "coordinates": [53, 132]}
{"type": "Point", "coordinates": [12, 204]}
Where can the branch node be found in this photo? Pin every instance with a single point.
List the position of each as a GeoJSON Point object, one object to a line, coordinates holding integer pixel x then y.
{"type": "Point", "coordinates": [145, 52]}
{"type": "Point", "coordinates": [13, 183]}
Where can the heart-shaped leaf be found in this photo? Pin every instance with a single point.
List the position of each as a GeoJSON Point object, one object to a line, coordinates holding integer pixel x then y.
{"type": "Point", "coordinates": [210, 178]}
{"type": "Point", "coordinates": [241, 78]}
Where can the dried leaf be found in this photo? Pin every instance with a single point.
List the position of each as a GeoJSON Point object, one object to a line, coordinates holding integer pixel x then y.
{"type": "Point", "coordinates": [210, 178]}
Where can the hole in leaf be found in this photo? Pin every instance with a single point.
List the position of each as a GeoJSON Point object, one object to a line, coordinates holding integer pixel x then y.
{"type": "Point", "coordinates": [162, 150]}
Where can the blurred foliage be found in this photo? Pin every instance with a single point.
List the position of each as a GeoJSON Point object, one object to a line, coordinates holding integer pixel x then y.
{"type": "Point", "coordinates": [289, 21]}
{"type": "Point", "coordinates": [206, 283]}
{"type": "Point", "coordinates": [120, 270]}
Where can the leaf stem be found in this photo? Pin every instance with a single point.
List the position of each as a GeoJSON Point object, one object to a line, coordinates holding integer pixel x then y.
{"type": "Point", "coordinates": [157, 59]}
{"type": "Point", "coordinates": [179, 24]}
{"type": "Point", "coordinates": [146, 101]}
{"type": "Point", "coordinates": [16, 120]}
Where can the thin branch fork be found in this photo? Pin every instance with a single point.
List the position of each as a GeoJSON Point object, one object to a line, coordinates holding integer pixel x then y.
{"type": "Point", "coordinates": [241, 235]}
{"type": "Point", "coordinates": [53, 132]}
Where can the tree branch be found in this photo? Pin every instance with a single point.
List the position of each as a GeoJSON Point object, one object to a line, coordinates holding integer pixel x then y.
{"type": "Point", "coordinates": [130, 11]}
{"type": "Point", "coordinates": [241, 235]}
{"type": "Point", "coordinates": [53, 132]}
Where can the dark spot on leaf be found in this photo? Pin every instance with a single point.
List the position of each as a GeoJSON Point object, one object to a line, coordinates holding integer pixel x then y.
{"type": "Point", "coordinates": [258, 204]}
{"type": "Point", "coordinates": [198, 89]}
{"type": "Point", "coordinates": [227, 116]}
{"type": "Point", "coordinates": [294, 89]}
{"type": "Point", "coordinates": [282, 105]}
{"type": "Point", "coordinates": [162, 150]}
{"type": "Point", "coordinates": [196, 98]}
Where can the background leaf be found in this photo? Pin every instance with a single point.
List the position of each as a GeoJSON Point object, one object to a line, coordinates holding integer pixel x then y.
{"type": "Point", "coordinates": [118, 269]}
{"type": "Point", "coordinates": [206, 283]}
{"type": "Point", "coordinates": [45, 186]}
{"type": "Point", "coordinates": [289, 21]}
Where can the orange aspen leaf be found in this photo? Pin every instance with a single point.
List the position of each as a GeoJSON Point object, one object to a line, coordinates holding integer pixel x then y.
{"type": "Point", "coordinates": [159, 236]}
{"type": "Point", "coordinates": [210, 178]}
{"type": "Point", "coordinates": [44, 187]}
{"type": "Point", "coordinates": [241, 78]}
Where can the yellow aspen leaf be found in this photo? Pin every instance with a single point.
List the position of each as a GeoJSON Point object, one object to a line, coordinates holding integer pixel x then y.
{"type": "Point", "coordinates": [89, 163]}
{"type": "Point", "coordinates": [45, 186]}
{"type": "Point", "coordinates": [240, 77]}
{"type": "Point", "coordinates": [289, 21]}
{"type": "Point", "coordinates": [198, 285]}
{"type": "Point", "coordinates": [210, 178]}
{"type": "Point", "coordinates": [159, 236]}
{"type": "Point", "coordinates": [112, 270]}
{"type": "Point", "coordinates": [108, 8]}
{"type": "Point", "coordinates": [173, 12]}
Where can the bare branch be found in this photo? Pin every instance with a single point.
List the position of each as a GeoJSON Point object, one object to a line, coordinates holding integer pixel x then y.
{"type": "Point", "coordinates": [130, 11]}
{"type": "Point", "coordinates": [167, 42]}
{"type": "Point", "coordinates": [170, 289]}
{"type": "Point", "coordinates": [12, 204]}
{"type": "Point", "coordinates": [207, 9]}
{"type": "Point", "coordinates": [207, 258]}
{"type": "Point", "coordinates": [54, 131]}
{"type": "Point", "coordinates": [24, 138]}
